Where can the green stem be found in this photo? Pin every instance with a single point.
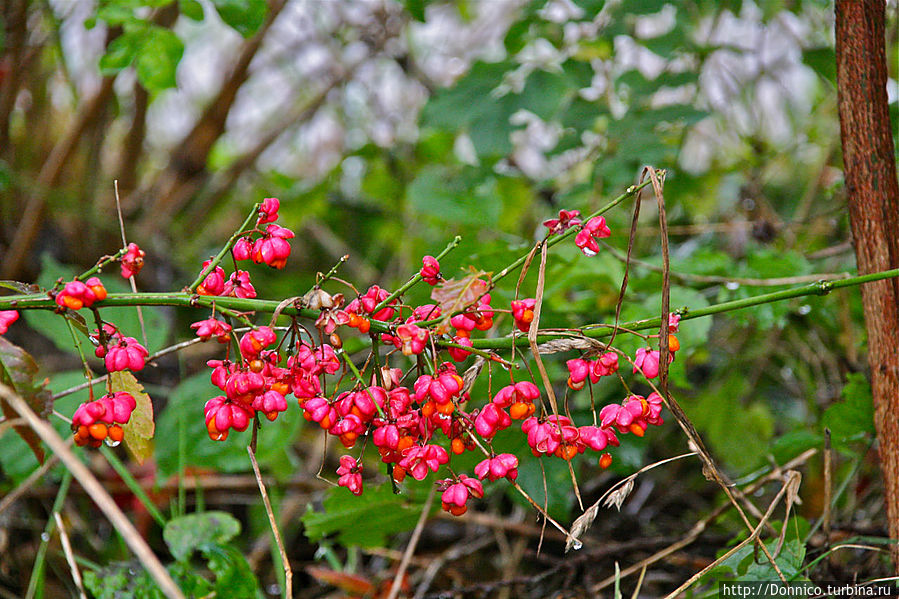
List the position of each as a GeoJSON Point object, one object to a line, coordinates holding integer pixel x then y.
{"type": "Point", "coordinates": [417, 276]}
{"type": "Point", "coordinates": [349, 362]}
{"type": "Point", "coordinates": [99, 265]}
{"type": "Point", "coordinates": [37, 573]}
{"type": "Point", "coordinates": [221, 255]}
{"type": "Point", "coordinates": [32, 302]}
{"type": "Point", "coordinates": [132, 484]}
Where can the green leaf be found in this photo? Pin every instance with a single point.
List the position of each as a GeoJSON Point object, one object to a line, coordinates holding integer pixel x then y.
{"type": "Point", "coordinates": [17, 371]}
{"type": "Point", "coordinates": [121, 52]}
{"type": "Point", "coordinates": [853, 418]}
{"type": "Point", "coordinates": [244, 16]}
{"type": "Point", "coordinates": [454, 196]}
{"type": "Point", "coordinates": [416, 9]}
{"type": "Point", "coordinates": [188, 533]}
{"type": "Point", "coordinates": [233, 576]}
{"type": "Point", "coordinates": [823, 61]}
{"type": "Point", "coordinates": [140, 428]}
{"type": "Point", "coordinates": [191, 9]}
{"type": "Point", "coordinates": [366, 520]}
{"type": "Point", "coordinates": [793, 443]}
{"type": "Point", "coordinates": [157, 60]}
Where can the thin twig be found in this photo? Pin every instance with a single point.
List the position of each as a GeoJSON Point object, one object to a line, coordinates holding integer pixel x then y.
{"type": "Point", "coordinates": [413, 542]}
{"type": "Point", "coordinates": [701, 525]}
{"type": "Point", "coordinates": [22, 488]}
{"type": "Point", "coordinates": [288, 573]}
{"type": "Point", "coordinates": [791, 481]}
{"type": "Point", "coordinates": [96, 491]}
{"type": "Point", "coordinates": [118, 207]}
{"type": "Point", "coordinates": [70, 557]}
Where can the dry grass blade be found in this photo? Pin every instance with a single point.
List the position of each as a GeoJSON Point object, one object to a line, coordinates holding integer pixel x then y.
{"type": "Point", "coordinates": [584, 521]}
{"type": "Point", "coordinates": [99, 495]}
{"type": "Point", "coordinates": [701, 525]}
{"type": "Point", "coordinates": [618, 496]}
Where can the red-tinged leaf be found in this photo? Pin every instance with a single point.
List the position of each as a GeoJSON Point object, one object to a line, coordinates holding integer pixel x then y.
{"type": "Point", "coordinates": [351, 583]}
{"type": "Point", "coordinates": [141, 427]}
{"type": "Point", "coordinates": [17, 370]}
{"type": "Point", "coordinates": [455, 295]}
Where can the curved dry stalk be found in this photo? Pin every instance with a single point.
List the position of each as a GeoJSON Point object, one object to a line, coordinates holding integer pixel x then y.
{"type": "Point", "coordinates": [792, 481]}
{"type": "Point", "coordinates": [288, 572]}
{"type": "Point", "coordinates": [701, 525]}
{"type": "Point", "coordinates": [96, 491]}
{"type": "Point", "coordinates": [583, 522]}
{"type": "Point", "coordinates": [70, 556]}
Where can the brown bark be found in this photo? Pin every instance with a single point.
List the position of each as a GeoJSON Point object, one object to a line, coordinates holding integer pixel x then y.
{"type": "Point", "coordinates": [873, 195]}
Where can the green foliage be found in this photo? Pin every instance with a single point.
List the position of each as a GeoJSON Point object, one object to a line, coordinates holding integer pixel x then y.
{"type": "Point", "coordinates": [852, 419]}
{"type": "Point", "coordinates": [207, 533]}
{"type": "Point", "coordinates": [154, 51]}
{"type": "Point", "coordinates": [16, 459]}
{"type": "Point", "coordinates": [439, 193]}
{"type": "Point", "coordinates": [366, 520]}
{"type": "Point", "coordinates": [188, 533]}
{"type": "Point", "coordinates": [245, 16]}
{"type": "Point", "coordinates": [749, 563]}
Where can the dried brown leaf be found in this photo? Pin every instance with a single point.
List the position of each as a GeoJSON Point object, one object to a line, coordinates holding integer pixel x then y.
{"type": "Point", "coordinates": [18, 370]}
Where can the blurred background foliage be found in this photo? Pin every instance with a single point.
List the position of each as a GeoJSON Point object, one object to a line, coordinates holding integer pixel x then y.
{"type": "Point", "coordinates": [386, 128]}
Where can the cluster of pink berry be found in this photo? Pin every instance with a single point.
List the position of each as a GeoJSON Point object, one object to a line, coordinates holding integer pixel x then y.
{"type": "Point", "coordinates": [406, 423]}
{"type": "Point", "coordinates": [119, 352]}
{"type": "Point", "coordinates": [254, 383]}
{"type": "Point", "coordinates": [271, 246]}
{"type": "Point", "coordinates": [76, 295]}
{"type": "Point", "coordinates": [586, 239]}
{"type": "Point", "coordinates": [102, 419]}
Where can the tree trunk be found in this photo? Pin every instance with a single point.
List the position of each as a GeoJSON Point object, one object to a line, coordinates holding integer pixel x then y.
{"type": "Point", "coordinates": [873, 196]}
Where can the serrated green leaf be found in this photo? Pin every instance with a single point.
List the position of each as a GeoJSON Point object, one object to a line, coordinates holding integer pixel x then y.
{"type": "Point", "coordinates": [141, 427]}
{"type": "Point", "coordinates": [17, 371]}
{"type": "Point", "coordinates": [188, 533]}
{"type": "Point", "coordinates": [245, 16]}
{"type": "Point", "coordinates": [157, 60]}
{"type": "Point", "coordinates": [366, 520]}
